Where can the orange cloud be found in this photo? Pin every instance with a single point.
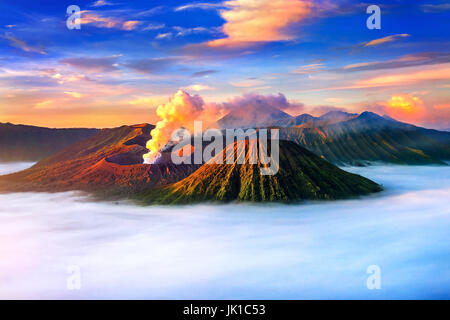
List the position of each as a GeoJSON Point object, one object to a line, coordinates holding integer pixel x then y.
{"type": "Point", "coordinates": [392, 38]}
{"type": "Point", "coordinates": [412, 109]}
{"type": "Point", "coordinates": [24, 46]}
{"type": "Point", "coordinates": [89, 17]}
{"type": "Point", "coordinates": [74, 94]}
{"type": "Point", "coordinates": [405, 107]}
{"type": "Point", "coordinates": [405, 103]}
{"type": "Point", "coordinates": [441, 72]}
{"type": "Point", "coordinates": [44, 104]}
{"type": "Point", "coordinates": [130, 25]}
{"type": "Point", "coordinates": [249, 21]}
{"type": "Point", "coordinates": [310, 68]}
{"type": "Point", "coordinates": [357, 65]}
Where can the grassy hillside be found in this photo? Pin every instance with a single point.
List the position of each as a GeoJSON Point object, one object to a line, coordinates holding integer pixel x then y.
{"type": "Point", "coordinates": [301, 176]}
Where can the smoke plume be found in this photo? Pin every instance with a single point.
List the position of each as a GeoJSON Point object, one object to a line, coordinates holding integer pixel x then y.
{"type": "Point", "coordinates": [181, 111]}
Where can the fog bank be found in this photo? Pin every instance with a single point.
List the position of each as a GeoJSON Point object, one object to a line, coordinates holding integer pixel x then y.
{"type": "Point", "coordinates": [309, 251]}
{"type": "Point", "coordinates": [7, 168]}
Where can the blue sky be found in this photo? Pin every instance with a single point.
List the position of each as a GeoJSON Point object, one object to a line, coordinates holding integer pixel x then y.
{"type": "Point", "coordinates": [130, 56]}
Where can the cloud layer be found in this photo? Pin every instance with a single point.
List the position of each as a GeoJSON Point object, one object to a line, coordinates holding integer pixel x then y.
{"type": "Point", "coordinates": [308, 251]}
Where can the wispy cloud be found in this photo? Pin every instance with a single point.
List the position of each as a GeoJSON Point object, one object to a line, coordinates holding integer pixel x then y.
{"type": "Point", "coordinates": [23, 45]}
{"type": "Point", "coordinates": [180, 31]}
{"type": "Point", "coordinates": [152, 26]}
{"type": "Point", "coordinates": [153, 65]}
{"type": "Point", "coordinates": [435, 7]}
{"type": "Point", "coordinates": [387, 39]}
{"type": "Point", "coordinates": [439, 73]}
{"type": "Point", "coordinates": [411, 60]}
{"type": "Point", "coordinates": [101, 3]}
{"type": "Point", "coordinates": [108, 22]}
{"type": "Point", "coordinates": [152, 11]}
{"type": "Point", "coordinates": [89, 64]}
{"type": "Point", "coordinates": [130, 25]}
{"type": "Point", "coordinates": [308, 69]}
{"type": "Point", "coordinates": [199, 5]}
{"type": "Point", "coordinates": [249, 83]}
{"type": "Point", "coordinates": [74, 94]}
{"type": "Point", "coordinates": [46, 104]}
{"type": "Point", "coordinates": [166, 35]}
{"type": "Point", "coordinates": [203, 73]}
{"type": "Point", "coordinates": [89, 17]}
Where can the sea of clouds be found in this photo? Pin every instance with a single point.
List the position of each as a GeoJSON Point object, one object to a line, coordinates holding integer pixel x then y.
{"type": "Point", "coordinates": [6, 168]}
{"type": "Point", "coordinates": [313, 250]}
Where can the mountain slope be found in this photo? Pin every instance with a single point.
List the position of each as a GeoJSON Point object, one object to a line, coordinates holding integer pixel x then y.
{"type": "Point", "coordinates": [29, 143]}
{"type": "Point", "coordinates": [109, 161]}
{"type": "Point", "coordinates": [337, 116]}
{"type": "Point", "coordinates": [370, 137]}
{"type": "Point", "coordinates": [293, 121]}
{"type": "Point", "coordinates": [301, 176]}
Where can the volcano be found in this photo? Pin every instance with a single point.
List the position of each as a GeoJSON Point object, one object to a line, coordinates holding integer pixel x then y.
{"type": "Point", "coordinates": [108, 162]}
{"type": "Point", "coordinates": [301, 176]}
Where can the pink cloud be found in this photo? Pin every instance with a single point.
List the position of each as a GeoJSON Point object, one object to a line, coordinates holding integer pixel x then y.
{"type": "Point", "coordinates": [89, 17]}
{"type": "Point", "coordinates": [249, 21]}
{"type": "Point", "coordinates": [392, 38]}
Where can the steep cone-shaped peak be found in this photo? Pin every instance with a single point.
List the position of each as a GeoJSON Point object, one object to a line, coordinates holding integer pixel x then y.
{"type": "Point", "coordinates": [301, 176]}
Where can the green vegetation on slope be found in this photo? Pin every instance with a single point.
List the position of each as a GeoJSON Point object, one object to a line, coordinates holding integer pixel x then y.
{"type": "Point", "coordinates": [302, 176]}
{"type": "Point", "coordinates": [373, 138]}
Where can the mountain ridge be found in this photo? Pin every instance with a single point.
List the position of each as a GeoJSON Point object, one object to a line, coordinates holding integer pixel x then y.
{"type": "Point", "coordinates": [370, 137]}
{"type": "Point", "coordinates": [111, 162]}
{"type": "Point", "coordinates": [109, 165]}
{"type": "Point", "coordinates": [31, 143]}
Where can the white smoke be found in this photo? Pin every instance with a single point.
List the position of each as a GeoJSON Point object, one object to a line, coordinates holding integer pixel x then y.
{"type": "Point", "coordinates": [181, 111]}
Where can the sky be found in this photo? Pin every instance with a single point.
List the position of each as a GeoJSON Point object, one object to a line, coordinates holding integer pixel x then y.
{"type": "Point", "coordinates": [129, 57]}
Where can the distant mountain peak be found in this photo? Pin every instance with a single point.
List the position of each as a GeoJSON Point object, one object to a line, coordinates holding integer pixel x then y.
{"type": "Point", "coordinates": [253, 115]}
{"type": "Point", "coordinates": [305, 116]}
{"type": "Point", "coordinates": [368, 115]}
{"type": "Point", "coordinates": [337, 115]}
